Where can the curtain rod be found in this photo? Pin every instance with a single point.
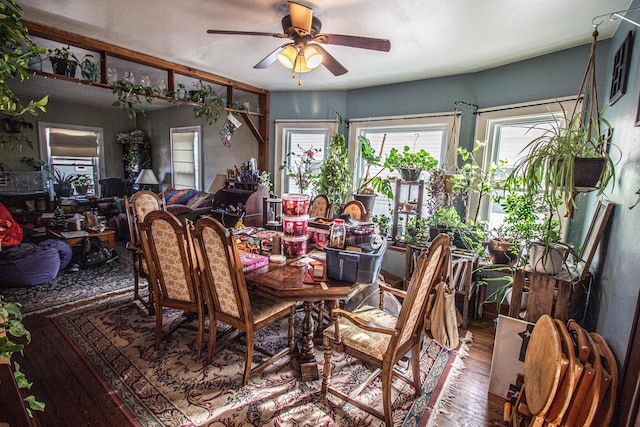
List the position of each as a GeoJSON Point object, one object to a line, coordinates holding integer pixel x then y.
{"type": "Point", "coordinates": [616, 14]}
{"type": "Point", "coordinates": [408, 117]}
{"type": "Point", "coordinates": [527, 104]}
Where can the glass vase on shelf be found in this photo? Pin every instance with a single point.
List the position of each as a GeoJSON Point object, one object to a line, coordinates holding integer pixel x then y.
{"type": "Point", "coordinates": [129, 77]}
{"type": "Point", "coordinates": [112, 75]}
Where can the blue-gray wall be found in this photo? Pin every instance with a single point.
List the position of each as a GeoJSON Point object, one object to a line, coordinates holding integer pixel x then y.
{"type": "Point", "coordinates": [615, 289]}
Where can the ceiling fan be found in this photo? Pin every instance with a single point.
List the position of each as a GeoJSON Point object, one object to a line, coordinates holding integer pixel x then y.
{"type": "Point", "coordinates": [305, 52]}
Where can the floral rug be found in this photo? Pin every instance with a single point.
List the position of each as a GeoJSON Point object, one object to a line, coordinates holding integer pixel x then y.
{"type": "Point", "coordinates": [170, 388]}
{"type": "Point", "coordinates": [69, 287]}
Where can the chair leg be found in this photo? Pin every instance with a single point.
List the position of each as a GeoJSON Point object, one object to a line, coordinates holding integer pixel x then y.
{"type": "Point", "coordinates": [211, 348]}
{"type": "Point", "coordinates": [415, 368]}
{"type": "Point", "coordinates": [200, 332]}
{"type": "Point", "coordinates": [292, 317]}
{"type": "Point", "coordinates": [249, 360]}
{"type": "Point", "coordinates": [387, 376]}
{"type": "Point", "coordinates": [158, 327]}
{"type": "Point", "coordinates": [326, 371]}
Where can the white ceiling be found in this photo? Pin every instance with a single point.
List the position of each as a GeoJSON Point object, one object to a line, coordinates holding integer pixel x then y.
{"type": "Point", "coordinates": [429, 38]}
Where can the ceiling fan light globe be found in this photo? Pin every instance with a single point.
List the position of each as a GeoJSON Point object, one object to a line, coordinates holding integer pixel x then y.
{"type": "Point", "coordinates": [312, 57]}
{"type": "Point", "coordinates": [288, 56]}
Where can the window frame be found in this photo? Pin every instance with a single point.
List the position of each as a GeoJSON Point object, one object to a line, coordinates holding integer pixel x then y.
{"type": "Point", "coordinates": [45, 150]}
{"type": "Point", "coordinates": [197, 154]}
{"type": "Point", "coordinates": [488, 122]}
{"type": "Point", "coordinates": [444, 121]}
{"type": "Point", "coordinates": [283, 130]}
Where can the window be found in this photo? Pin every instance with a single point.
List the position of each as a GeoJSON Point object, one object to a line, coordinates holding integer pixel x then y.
{"type": "Point", "coordinates": [428, 133]}
{"type": "Point", "coordinates": [507, 131]}
{"type": "Point", "coordinates": [292, 139]}
{"type": "Point", "coordinates": [73, 149]}
{"type": "Point", "coordinates": [186, 164]}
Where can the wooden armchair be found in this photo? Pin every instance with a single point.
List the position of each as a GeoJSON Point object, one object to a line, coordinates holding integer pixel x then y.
{"type": "Point", "coordinates": [356, 209]}
{"type": "Point", "coordinates": [137, 207]}
{"type": "Point", "coordinates": [381, 339]}
{"type": "Point", "coordinates": [320, 207]}
{"type": "Point", "coordinates": [222, 275]}
{"type": "Point", "coordinates": [171, 262]}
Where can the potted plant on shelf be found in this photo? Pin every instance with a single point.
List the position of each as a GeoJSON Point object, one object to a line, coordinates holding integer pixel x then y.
{"type": "Point", "coordinates": [334, 179]}
{"type": "Point", "coordinates": [89, 69]}
{"type": "Point", "coordinates": [63, 61]}
{"type": "Point", "coordinates": [62, 183]}
{"type": "Point", "coordinates": [81, 183]}
{"type": "Point", "coordinates": [410, 164]}
{"type": "Point", "coordinates": [468, 235]}
{"type": "Point", "coordinates": [524, 221]}
{"type": "Point", "coordinates": [370, 185]}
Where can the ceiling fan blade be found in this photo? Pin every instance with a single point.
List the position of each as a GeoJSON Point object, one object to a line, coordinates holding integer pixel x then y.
{"type": "Point", "coordinates": [272, 57]}
{"type": "Point", "coordinates": [330, 62]}
{"type": "Point", "coordinates": [301, 17]}
{"type": "Point", "coordinates": [246, 33]}
{"type": "Point", "coordinates": [383, 45]}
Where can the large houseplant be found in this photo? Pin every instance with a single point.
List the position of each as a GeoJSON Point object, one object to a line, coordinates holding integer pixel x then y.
{"type": "Point", "coordinates": [334, 179]}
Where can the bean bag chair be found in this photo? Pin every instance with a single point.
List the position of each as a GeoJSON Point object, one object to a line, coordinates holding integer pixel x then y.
{"type": "Point", "coordinates": [28, 264]}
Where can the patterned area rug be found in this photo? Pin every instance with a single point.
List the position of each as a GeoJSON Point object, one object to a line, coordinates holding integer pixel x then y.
{"type": "Point", "coordinates": [76, 287]}
{"type": "Point", "coordinates": [168, 387]}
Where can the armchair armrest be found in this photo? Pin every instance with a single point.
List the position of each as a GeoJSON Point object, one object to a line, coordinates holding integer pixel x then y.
{"type": "Point", "coordinates": [368, 326]}
{"type": "Point", "coordinates": [395, 291]}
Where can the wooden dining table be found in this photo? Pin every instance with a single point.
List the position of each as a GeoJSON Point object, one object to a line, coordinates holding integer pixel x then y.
{"type": "Point", "coordinates": [287, 283]}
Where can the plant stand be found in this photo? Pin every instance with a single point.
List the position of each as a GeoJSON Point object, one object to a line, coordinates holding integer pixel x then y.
{"type": "Point", "coordinates": [406, 191]}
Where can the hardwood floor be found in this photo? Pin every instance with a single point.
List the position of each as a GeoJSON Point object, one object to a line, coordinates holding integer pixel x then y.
{"type": "Point", "coordinates": [75, 397]}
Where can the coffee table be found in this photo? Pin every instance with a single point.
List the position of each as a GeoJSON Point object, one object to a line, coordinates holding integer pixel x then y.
{"type": "Point", "coordinates": [76, 238]}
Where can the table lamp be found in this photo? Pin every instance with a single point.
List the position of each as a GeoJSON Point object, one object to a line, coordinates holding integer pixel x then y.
{"type": "Point", "coordinates": [146, 179]}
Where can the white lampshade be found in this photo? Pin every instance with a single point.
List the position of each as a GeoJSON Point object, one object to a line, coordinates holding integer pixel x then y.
{"type": "Point", "coordinates": [217, 184]}
{"type": "Point", "coordinates": [147, 177]}
{"type": "Point", "coordinates": [288, 56]}
{"type": "Point", "coordinates": [312, 57]}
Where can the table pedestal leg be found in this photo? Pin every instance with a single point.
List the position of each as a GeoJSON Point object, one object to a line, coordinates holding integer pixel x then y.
{"type": "Point", "coordinates": [308, 365]}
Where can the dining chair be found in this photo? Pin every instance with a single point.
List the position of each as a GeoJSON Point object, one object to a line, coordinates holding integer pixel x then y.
{"type": "Point", "coordinates": [171, 262]}
{"type": "Point", "coordinates": [221, 271]}
{"type": "Point", "coordinates": [381, 339]}
{"type": "Point", "coordinates": [356, 209]}
{"type": "Point", "coordinates": [320, 207]}
{"type": "Point", "coordinates": [137, 207]}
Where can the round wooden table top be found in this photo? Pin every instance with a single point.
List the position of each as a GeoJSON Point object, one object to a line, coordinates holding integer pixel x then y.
{"type": "Point", "coordinates": [542, 365]}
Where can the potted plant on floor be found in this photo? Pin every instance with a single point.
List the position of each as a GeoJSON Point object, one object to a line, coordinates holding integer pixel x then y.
{"type": "Point", "coordinates": [63, 61]}
{"type": "Point", "coordinates": [410, 164]}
